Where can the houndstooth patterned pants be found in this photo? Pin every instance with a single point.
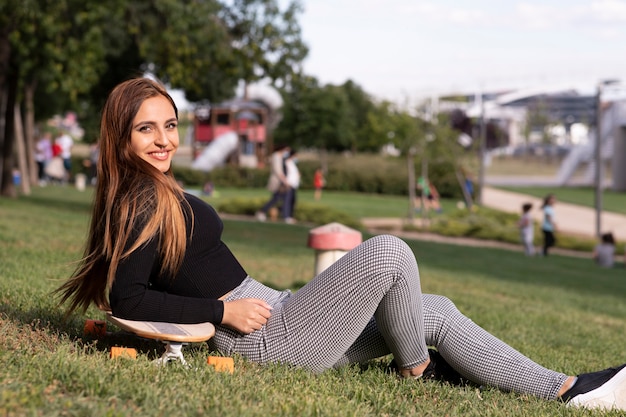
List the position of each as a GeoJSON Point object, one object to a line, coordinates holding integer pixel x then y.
{"type": "Point", "coordinates": [369, 304]}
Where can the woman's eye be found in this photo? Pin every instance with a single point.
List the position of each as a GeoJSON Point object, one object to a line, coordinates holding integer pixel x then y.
{"type": "Point", "coordinates": [172, 125]}
{"type": "Point", "coordinates": [145, 129]}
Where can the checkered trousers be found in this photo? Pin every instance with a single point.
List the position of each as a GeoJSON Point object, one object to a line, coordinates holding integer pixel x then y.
{"type": "Point", "coordinates": [369, 304]}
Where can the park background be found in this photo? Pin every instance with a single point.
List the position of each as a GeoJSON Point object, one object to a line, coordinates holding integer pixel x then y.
{"type": "Point", "coordinates": [62, 58]}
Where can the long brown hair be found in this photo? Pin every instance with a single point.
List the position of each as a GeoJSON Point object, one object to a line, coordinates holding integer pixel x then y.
{"type": "Point", "coordinates": [131, 195]}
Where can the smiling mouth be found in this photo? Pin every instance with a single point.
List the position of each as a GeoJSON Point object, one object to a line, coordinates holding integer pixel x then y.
{"type": "Point", "coordinates": [160, 154]}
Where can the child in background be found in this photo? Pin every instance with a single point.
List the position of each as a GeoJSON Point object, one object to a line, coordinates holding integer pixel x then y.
{"type": "Point", "coordinates": [318, 183]}
{"type": "Point", "coordinates": [527, 229]}
{"type": "Point", "coordinates": [604, 252]}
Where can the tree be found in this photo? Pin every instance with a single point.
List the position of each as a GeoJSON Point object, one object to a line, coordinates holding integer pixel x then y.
{"type": "Point", "coordinates": [266, 40]}
{"type": "Point", "coordinates": [315, 116]}
{"type": "Point", "coordinates": [55, 45]}
{"type": "Point", "coordinates": [70, 53]}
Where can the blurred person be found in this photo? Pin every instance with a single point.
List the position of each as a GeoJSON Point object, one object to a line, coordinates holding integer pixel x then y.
{"type": "Point", "coordinates": [318, 183]}
{"type": "Point", "coordinates": [604, 252]}
{"type": "Point", "coordinates": [277, 183]}
{"type": "Point", "coordinates": [527, 229]}
{"type": "Point", "coordinates": [292, 175]}
{"type": "Point", "coordinates": [156, 253]}
{"type": "Point", "coordinates": [43, 155]}
{"type": "Point", "coordinates": [429, 195]}
{"type": "Point", "coordinates": [65, 144]}
{"type": "Point", "coordinates": [548, 227]}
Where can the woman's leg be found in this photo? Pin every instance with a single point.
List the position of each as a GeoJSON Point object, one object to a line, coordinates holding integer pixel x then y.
{"type": "Point", "coordinates": [481, 357]}
{"type": "Point", "coordinates": [317, 326]}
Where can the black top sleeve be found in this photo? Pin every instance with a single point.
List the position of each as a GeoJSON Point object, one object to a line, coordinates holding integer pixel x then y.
{"type": "Point", "coordinates": [209, 270]}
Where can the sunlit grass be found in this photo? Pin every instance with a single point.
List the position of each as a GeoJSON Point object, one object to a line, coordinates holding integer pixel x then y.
{"type": "Point", "coordinates": [564, 312]}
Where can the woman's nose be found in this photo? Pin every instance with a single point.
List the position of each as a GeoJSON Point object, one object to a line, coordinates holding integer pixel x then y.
{"type": "Point", "coordinates": [161, 138]}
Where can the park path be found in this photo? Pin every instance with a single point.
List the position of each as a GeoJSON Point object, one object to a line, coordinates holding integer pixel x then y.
{"type": "Point", "coordinates": [570, 218]}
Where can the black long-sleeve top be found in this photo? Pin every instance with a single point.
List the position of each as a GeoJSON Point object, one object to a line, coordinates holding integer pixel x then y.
{"type": "Point", "coordinates": [209, 270]}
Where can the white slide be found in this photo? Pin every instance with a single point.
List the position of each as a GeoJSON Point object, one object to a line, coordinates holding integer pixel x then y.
{"type": "Point", "coordinates": [216, 152]}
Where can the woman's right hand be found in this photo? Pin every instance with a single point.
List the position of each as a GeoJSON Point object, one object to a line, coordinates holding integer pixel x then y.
{"type": "Point", "coordinates": [246, 315]}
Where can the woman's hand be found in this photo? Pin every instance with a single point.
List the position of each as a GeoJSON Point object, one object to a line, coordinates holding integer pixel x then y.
{"type": "Point", "coordinates": [246, 315]}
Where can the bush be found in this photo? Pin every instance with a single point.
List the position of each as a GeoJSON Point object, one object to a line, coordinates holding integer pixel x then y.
{"type": "Point", "coordinates": [229, 176]}
{"type": "Point", "coordinates": [356, 173]}
{"type": "Point", "coordinates": [305, 212]}
{"type": "Point", "coordinates": [488, 224]}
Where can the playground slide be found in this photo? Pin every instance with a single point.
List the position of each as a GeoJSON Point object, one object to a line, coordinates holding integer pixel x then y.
{"type": "Point", "coordinates": [584, 154]}
{"type": "Point", "coordinates": [216, 153]}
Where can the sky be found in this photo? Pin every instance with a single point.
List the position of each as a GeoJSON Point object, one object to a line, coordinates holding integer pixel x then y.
{"type": "Point", "coordinates": [408, 50]}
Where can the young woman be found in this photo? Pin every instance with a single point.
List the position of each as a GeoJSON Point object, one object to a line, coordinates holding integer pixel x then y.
{"type": "Point", "coordinates": [155, 253]}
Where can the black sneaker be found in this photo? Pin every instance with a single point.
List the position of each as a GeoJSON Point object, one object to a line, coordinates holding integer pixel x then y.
{"type": "Point", "coordinates": [603, 389]}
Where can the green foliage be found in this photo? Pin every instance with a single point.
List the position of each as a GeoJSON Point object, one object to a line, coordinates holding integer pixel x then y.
{"type": "Point", "coordinates": [306, 212]}
{"type": "Point", "coordinates": [267, 40]}
{"type": "Point", "coordinates": [229, 176]}
{"type": "Point", "coordinates": [363, 173]}
{"type": "Point", "coordinates": [489, 224]}
{"type": "Point", "coordinates": [480, 223]}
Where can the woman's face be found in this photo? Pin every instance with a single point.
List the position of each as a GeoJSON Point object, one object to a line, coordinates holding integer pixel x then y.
{"type": "Point", "coordinates": [154, 135]}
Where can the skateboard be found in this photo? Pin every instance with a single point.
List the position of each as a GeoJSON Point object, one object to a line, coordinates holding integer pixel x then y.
{"type": "Point", "coordinates": [172, 334]}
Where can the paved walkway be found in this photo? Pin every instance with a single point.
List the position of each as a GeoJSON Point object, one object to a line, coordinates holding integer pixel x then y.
{"type": "Point", "coordinates": [570, 218]}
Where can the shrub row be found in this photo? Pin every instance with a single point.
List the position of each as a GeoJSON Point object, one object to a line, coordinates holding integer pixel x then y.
{"type": "Point", "coordinates": [489, 224]}
{"type": "Point", "coordinates": [384, 176]}
{"type": "Point", "coordinates": [314, 213]}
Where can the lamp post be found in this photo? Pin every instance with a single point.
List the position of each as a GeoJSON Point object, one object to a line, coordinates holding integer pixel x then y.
{"type": "Point", "coordinates": [598, 161]}
{"type": "Point", "coordinates": [599, 172]}
{"type": "Point", "coordinates": [482, 151]}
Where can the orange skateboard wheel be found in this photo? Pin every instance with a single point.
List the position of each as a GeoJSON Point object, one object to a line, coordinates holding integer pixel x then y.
{"type": "Point", "coordinates": [221, 364]}
{"type": "Point", "coordinates": [122, 352]}
{"type": "Point", "coordinates": [95, 328]}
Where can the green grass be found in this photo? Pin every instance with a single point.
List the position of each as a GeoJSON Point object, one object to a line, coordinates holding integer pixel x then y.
{"type": "Point", "coordinates": [585, 196]}
{"type": "Point", "coordinates": [565, 313]}
{"type": "Point", "coordinates": [358, 205]}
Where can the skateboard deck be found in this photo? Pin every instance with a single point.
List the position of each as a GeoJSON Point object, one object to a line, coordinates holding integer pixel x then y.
{"type": "Point", "coordinates": [167, 332]}
{"type": "Point", "coordinates": [174, 335]}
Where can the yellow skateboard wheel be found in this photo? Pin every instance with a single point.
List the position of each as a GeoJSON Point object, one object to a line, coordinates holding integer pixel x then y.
{"type": "Point", "coordinates": [122, 352]}
{"type": "Point", "coordinates": [221, 364]}
{"type": "Point", "coordinates": [95, 328]}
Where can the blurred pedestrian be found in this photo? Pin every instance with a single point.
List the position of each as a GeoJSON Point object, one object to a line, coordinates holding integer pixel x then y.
{"type": "Point", "coordinates": [429, 195]}
{"type": "Point", "coordinates": [65, 144]}
{"type": "Point", "coordinates": [277, 183]}
{"type": "Point", "coordinates": [604, 252]}
{"type": "Point", "coordinates": [527, 229]}
{"type": "Point", "coordinates": [292, 173]}
{"type": "Point", "coordinates": [318, 183]}
{"type": "Point", "coordinates": [43, 155]}
{"type": "Point", "coordinates": [548, 227]}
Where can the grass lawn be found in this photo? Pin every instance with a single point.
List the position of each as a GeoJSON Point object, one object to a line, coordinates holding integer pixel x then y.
{"type": "Point", "coordinates": [565, 313]}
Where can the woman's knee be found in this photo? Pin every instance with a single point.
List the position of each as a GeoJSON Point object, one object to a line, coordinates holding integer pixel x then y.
{"type": "Point", "coordinates": [440, 305]}
{"type": "Point", "coordinates": [386, 245]}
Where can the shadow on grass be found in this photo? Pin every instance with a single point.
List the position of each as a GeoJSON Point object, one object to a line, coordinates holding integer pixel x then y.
{"type": "Point", "coordinates": [569, 274]}
{"type": "Point", "coordinates": [52, 322]}
{"type": "Point", "coordinates": [58, 202]}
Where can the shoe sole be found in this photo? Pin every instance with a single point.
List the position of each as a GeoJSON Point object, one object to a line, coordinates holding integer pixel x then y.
{"type": "Point", "coordinates": [608, 396]}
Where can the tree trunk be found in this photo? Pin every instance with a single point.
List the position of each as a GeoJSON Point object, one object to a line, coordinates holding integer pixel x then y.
{"type": "Point", "coordinates": [29, 132]}
{"type": "Point", "coordinates": [7, 188]}
{"type": "Point", "coordinates": [22, 165]}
